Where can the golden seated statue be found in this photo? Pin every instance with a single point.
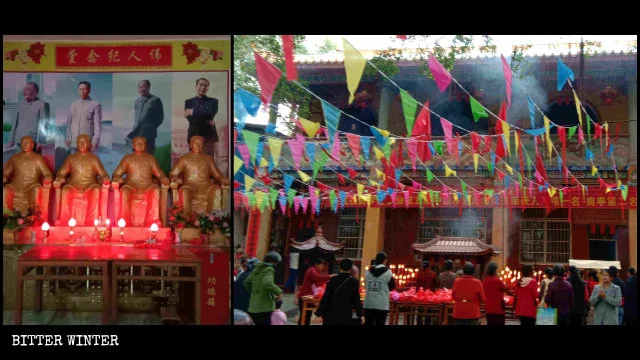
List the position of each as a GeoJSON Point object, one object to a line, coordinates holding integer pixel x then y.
{"type": "Point", "coordinates": [85, 195]}
{"type": "Point", "coordinates": [29, 181]}
{"type": "Point", "coordinates": [197, 184]}
{"type": "Point", "coordinates": [140, 201]}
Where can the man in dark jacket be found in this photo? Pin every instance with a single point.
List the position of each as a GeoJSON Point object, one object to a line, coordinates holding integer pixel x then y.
{"type": "Point", "coordinates": [560, 295]}
{"type": "Point", "coordinates": [200, 111]}
{"type": "Point", "coordinates": [341, 300]}
{"type": "Point", "coordinates": [240, 294]}
{"type": "Point", "coordinates": [580, 297]}
{"type": "Point", "coordinates": [621, 284]}
{"type": "Point", "coordinates": [630, 295]}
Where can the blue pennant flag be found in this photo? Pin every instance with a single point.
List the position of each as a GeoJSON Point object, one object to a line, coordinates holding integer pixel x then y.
{"type": "Point", "coordinates": [288, 181]}
{"type": "Point", "coordinates": [318, 200]}
{"type": "Point", "coordinates": [432, 149]}
{"type": "Point", "coordinates": [540, 188]}
{"type": "Point", "coordinates": [283, 200]}
{"type": "Point", "coordinates": [259, 152]}
{"type": "Point", "coordinates": [271, 129]}
{"type": "Point", "coordinates": [331, 117]}
{"type": "Point", "coordinates": [532, 112]}
{"type": "Point", "coordinates": [536, 132]}
{"type": "Point", "coordinates": [459, 149]}
{"type": "Point", "coordinates": [271, 164]}
{"type": "Point", "coordinates": [365, 142]}
{"type": "Point", "coordinates": [251, 102]}
{"type": "Point", "coordinates": [560, 164]}
{"type": "Point", "coordinates": [335, 207]}
{"type": "Point", "coordinates": [381, 196]}
{"type": "Point", "coordinates": [564, 73]}
{"type": "Point", "coordinates": [589, 155]}
{"type": "Point", "coordinates": [389, 191]}
{"type": "Point", "coordinates": [343, 198]}
{"type": "Point", "coordinates": [506, 181]}
{"type": "Point", "coordinates": [311, 151]}
{"type": "Point", "coordinates": [240, 112]}
{"type": "Point", "coordinates": [326, 146]}
{"type": "Point", "coordinates": [381, 139]}
{"type": "Point", "coordinates": [610, 152]}
{"type": "Point", "coordinates": [496, 198]}
{"type": "Point", "coordinates": [398, 175]}
{"type": "Point", "coordinates": [493, 159]}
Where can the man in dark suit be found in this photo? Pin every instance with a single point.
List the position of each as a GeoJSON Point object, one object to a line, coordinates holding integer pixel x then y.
{"type": "Point", "coordinates": [200, 111]}
{"type": "Point", "coordinates": [149, 114]}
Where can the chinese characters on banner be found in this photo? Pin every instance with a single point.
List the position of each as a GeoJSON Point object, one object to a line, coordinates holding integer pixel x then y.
{"type": "Point", "coordinates": [253, 230]}
{"type": "Point", "coordinates": [113, 56]}
{"type": "Point", "coordinates": [214, 286]}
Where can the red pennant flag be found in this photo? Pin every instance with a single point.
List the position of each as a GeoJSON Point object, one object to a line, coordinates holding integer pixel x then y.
{"type": "Point", "coordinates": [475, 142]}
{"type": "Point", "coordinates": [617, 133]}
{"type": "Point", "coordinates": [266, 180]}
{"type": "Point", "coordinates": [321, 186]}
{"type": "Point", "coordinates": [287, 49]}
{"type": "Point", "coordinates": [540, 168]}
{"type": "Point", "coordinates": [352, 173]}
{"type": "Point", "coordinates": [235, 135]}
{"type": "Point", "coordinates": [499, 143]}
{"type": "Point", "coordinates": [456, 152]}
{"type": "Point", "coordinates": [268, 77]}
{"type": "Point", "coordinates": [423, 122]}
{"type": "Point", "coordinates": [236, 184]}
{"type": "Point", "coordinates": [354, 144]}
{"type": "Point", "coordinates": [487, 143]}
{"type": "Point", "coordinates": [598, 135]}
{"type": "Point", "coordinates": [562, 134]}
{"type": "Point", "coordinates": [341, 178]}
{"type": "Point", "coordinates": [402, 37]}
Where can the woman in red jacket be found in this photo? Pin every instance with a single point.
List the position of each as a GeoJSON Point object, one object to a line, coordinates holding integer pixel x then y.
{"type": "Point", "coordinates": [467, 294]}
{"type": "Point", "coordinates": [526, 297]}
{"type": "Point", "coordinates": [494, 290]}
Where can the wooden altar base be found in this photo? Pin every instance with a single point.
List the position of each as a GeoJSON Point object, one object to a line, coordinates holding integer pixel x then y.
{"type": "Point", "coordinates": [60, 235]}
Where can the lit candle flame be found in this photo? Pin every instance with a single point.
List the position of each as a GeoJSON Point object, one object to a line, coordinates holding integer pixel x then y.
{"type": "Point", "coordinates": [45, 226]}
{"type": "Point", "coordinates": [108, 222]}
{"type": "Point", "coordinates": [121, 223]}
{"type": "Point", "coordinates": [95, 222]}
{"type": "Point", "coordinates": [72, 222]}
{"type": "Point", "coordinates": [154, 227]}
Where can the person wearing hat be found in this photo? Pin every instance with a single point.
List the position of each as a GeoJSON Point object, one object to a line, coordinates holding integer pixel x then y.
{"type": "Point", "coordinates": [262, 289]}
{"type": "Point", "coordinates": [241, 295]}
{"type": "Point", "coordinates": [378, 282]}
{"type": "Point", "coordinates": [630, 294]}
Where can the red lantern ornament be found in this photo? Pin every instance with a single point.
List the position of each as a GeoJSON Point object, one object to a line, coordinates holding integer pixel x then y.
{"type": "Point", "coordinates": [608, 95]}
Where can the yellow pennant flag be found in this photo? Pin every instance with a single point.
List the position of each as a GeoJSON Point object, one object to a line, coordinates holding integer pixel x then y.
{"type": "Point", "coordinates": [310, 127]}
{"type": "Point", "coordinates": [455, 196]}
{"type": "Point", "coordinates": [392, 141]}
{"type": "Point", "coordinates": [475, 161]}
{"type": "Point", "coordinates": [380, 174]}
{"type": "Point", "coordinates": [551, 190]}
{"type": "Point", "coordinates": [607, 190]}
{"type": "Point", "coordinates": [547, 124]}
{"type": "Point", "coordinates": [237, 164]}
{"type": "Point", "coordinates": [304, 177]}
{"type": "Point", "coordinates": [517, 137]}
{"type": "Point", "coordinates": [373, 183]}
{"type": "Point", "coordinates": [506, 130]}
{"type": "Point", "coordinates": [367, 199]}
{"type": "Point", "coordinates": [606, 133]}
{"type": "Point", "coordinates": [423, 195]}
{"type": "Point", "coordinates": [594, 170]}
{"type": "Point", "coordinates": [354, 64]}
{"type": "Point", "coordinates": [260, 195]}
{"type": "Point", "coordinates": [384, 133]}
{"type": "Point", "coordinates": [360, 188]}
{"type": "Point", "coordinates": [577, 101]}
{"type": "Point", "coordinates": [354, 199]}
{"type": "Point", "coordinates": [263, 162]}
{"type": "Point", "coordinates": [276, 148]}
{"type": "Point", "coordinates": [584, 191]}
{"type": "Point", "coordinates": [379, 154]}
{"type": "Point", "coordinates": [509, 169]}
{"type": "Point", "coordinates": [248, 182]}
{"type": "Point", "coordinates": [448, 171]}
{"type": "Point", "coordinates": [469, 200]}
{"type": "Point", "coordinates": [619, 184]}
{"type": "Point", "coordinates": [317, 192]}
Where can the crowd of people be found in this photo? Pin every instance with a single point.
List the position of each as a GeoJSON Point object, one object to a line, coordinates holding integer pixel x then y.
{"type": "Point", "coordinates": [606, 301]}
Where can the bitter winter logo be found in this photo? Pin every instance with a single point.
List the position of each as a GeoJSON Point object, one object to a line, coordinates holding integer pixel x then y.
{"type": "Point", "coordinates": [201, 55]}
{"type": "Point", "coordinates": [33, 53]}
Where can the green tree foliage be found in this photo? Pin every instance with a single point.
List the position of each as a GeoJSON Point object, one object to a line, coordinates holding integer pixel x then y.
{"type": "Point", "coordinates": [269, 47]}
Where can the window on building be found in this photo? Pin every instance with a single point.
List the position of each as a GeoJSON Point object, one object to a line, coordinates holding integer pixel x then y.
{"type": "Point", "coordinates": [602, 243]}
{"type": "Point", "coordinates": [351, 232]}
{"type": "Point", "coordinates": [545, 240]}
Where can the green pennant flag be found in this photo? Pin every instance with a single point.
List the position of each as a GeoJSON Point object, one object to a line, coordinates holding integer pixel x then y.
{"type": "Point", "coordinates": [489, 167]}
{"type": "Point", "coordinates": [561, 197]}
{"type": "Point", "coordinates": [625, 191]}
{"type": "Point", "coordinates": [319, 164]}
{"type": "Point", "coordinates": [464, 187]}
{"type": "Point", "coordinates": [332, 198]}
{"type": "Point", "coordinates": [273, 196]}
{"type": "Point", "coordinates": [386, 149]}
{"type": "Point", "coordinates": [429, 175]}
{"type": "Point", "coordinates": [409, 106]}
{"type": "Point", "coordinates": [489, 192]}
{"type": "Point", "coordinates": [588, 128]}
{"type": "Point", "coordinates": [420, 199]}
{"type": "Point", "coordinates": [437, 197]}
{"type": "Point", "coordinates": [477, 109]}
{"type": "Point", "coordinates": [521, 186]}
{"type": "Point", "coordinates": [264, 203]}
{"type": "Point", "coordinates": [529, 164]}
{"type": "Point", "coordinates": [572, 131]}
{"type": "Point", "coordinates": [252, 199]}
{"type": "Point", "coordinates": [251, 139]}
{"type": "Point", "coordinates": [361, 160]}
{"type": "Point", "coordinates": [438, 146]}
{"type": "Point", "coordinates": [290, 196]}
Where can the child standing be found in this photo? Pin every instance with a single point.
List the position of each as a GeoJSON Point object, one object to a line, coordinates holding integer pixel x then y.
{"type": "Point", "coordinates": [278, 317]}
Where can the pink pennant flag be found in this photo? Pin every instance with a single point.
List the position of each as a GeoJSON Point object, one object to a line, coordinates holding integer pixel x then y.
{"type": "Point", "coordinates": [517, 189]}
{"type": "Point", "coordinates": [447, 128]}
{"type": "Point", "coordinates": [406, 199]}
{"type": "Point", "coordinates": [508, 78]}
{"type": "Point", "coordinates": [335, 152]}
{"type": "Point", "coordinates": [313, 198]}
{"type": "Point", "coordinates": [354, 144]}
{"type": "Point", "coordinates": [445, 193]}
{"type": "Point", "coordinates": [244, 152]}
{"type": "Point", "coordinates": [287, 49]}
{"type": "Point", "coordinates": [283, 207]}
{"type": "Point", "coordinates": [580, 135]}
{"type": "Point", "coordinates": [393, 199]}
{"type": "Point", "coordinates": [304, 204]}
{"type": "Point", "coordinates": [530, 188]}
{"type": "Point", "coordinates": [440, 74]}
{"type": "Point", "coordinates": [268, 77]}
{"type": "Point", "coordinates": [475, 142]}
{"type": "Point", "coordinates": [476, 197]}
{"type": "Point", "coordinates": [296, 204]}
{"type": "Point", "coordinates": [297, 150]}
{"type": "Point", "coordinates": [412, 149]}
{"type": "Point", "coordinates": [402, 37]}
{"type": "Point", "coordinates": [245, 201]}
{"type": "Point", "coordinates": [416, 185]}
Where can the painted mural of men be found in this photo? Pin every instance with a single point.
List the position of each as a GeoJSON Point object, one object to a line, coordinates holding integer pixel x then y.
{"type": "Point", "coordinates": [200, 111]}
{"type": "Point", "coordinates": [149, 114]}
{"type": "Point", "coordinates": [85, 117]}
{"type": "Point", "coordinates": [33, 113]}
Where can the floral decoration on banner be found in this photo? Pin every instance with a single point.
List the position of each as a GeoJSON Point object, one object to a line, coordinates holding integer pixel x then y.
{"type": "Point", "coordinates": [19, 220]}
{"type": "Point", "coordinates": [33, 53]}
{"type": "Point", "coordinates": [206, 222]}
{"type": "Point", "coordinates": [202, 55]}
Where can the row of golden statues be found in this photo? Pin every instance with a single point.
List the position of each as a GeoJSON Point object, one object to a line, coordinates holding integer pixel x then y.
{"type": "Point", "coordinates": [140, 186]}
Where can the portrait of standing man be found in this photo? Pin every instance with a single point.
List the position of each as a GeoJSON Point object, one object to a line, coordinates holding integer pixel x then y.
{"type": "Point", "coordinates": [33, 113]}
{"type": "Point", "coordinates": [149, 114]}
{"type": "Point", "coordinates": [200, 111]}
{"type": "Point", "coordinates": [85, 117]}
